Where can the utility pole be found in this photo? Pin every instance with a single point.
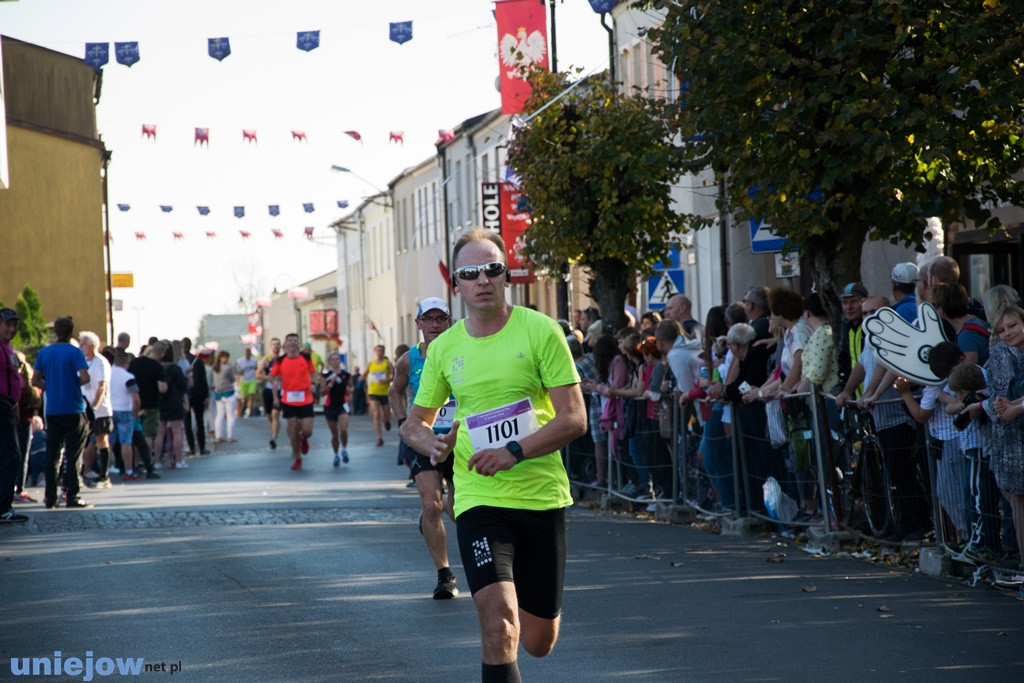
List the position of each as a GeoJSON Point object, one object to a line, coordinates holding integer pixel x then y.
{"type": "Point", "coordinates": [565, 272]}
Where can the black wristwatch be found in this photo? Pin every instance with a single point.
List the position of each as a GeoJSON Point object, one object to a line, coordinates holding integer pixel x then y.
{"type": "Point", "coordinates": [515, 449]}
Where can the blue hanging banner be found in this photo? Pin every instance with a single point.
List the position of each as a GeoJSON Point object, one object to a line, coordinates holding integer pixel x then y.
{"type": "Point", "coordinates": [124, 207]}
{"type": "Point", "coordinates": [219, 48]}
{"type": "Point", "coordinates": [401, 31]}
{"type": "Point", "coordinates": [97, 54]}
{"type": "Point", "coordinates": [342, 203]}
{"type": "Point", "coordinates": [203, 210]}
{"type": "Point", "coordinates": [166, 209]}
{"type": "Point", "coordinates": [308, 40]}
{"type": "Point", "coordinates": [308, 208]}
{"type": "Point", "coordinates": [239, 211]}
{"type": "Point", "coordinates": [127, 53]}
{"type": "Point", "coordinates": [274, 209]}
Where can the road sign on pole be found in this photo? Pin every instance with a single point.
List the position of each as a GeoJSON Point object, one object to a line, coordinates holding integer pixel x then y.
{"type": "Point", "coordinates": [669, 279]}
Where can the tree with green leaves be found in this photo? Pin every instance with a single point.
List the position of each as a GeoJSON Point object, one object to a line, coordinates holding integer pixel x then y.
{"type": "Point", "coordinates": [32, 330]}
{"type": "Point", "coordinates": [598, 168]}
{"type": "Point", "coordinates": [840, 122]}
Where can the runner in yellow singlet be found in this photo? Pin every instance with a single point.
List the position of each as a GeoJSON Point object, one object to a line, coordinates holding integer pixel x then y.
{"type": "Point", "coordinates": [378, 376]}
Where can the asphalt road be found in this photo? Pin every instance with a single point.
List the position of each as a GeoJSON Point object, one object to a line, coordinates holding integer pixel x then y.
{"type": "Point", "coordinates": [238, 569]}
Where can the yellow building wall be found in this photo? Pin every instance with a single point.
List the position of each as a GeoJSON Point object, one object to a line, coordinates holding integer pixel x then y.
{"type": "Point", "coordinates": [51, 227]}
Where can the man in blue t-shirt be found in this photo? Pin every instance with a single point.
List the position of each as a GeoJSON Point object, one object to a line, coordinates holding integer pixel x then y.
{"type": "Point", "coordinates": [61, 370]}
{"type": "Point", "coordinates": [904, 284]}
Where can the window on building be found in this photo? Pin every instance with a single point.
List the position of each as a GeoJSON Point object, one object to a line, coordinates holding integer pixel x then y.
{"type": "Point", "coordinates": [486, 169]}
{"type": "Point", "coordinates": [433, 212]}
{"type": "Point", "coordinates": [637, 63]}
{"type": "Point", "coordinates": [471, 216]}
{"type": "Point", "coordinates": [458, 199]}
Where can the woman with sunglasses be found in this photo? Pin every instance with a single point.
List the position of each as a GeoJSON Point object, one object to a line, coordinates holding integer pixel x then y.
{"type": "Point", "coordinates": [519, 402]}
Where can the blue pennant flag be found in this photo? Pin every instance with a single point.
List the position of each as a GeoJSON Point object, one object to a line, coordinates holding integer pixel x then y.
{"type": "Point", "coordinates": [239, 211]}
{"type": "Point", "coordinates": [274, 209]}
{"type": "Point", "coordinates": [97, 54]}
{"type": "Point", "coordinates": [124, 207]}
{"type": "Point", "coordinates": [219, 48]}
{"type": "Point", "coordinates": [308, 208]}
{"type": "Point", "coordinates": [603, 6]}
{"type": "Point", "coordinates": [203, 210]}
{"type": "Point", "coordinates": [401, 31]}
{"type": "Point", "coordinates": [166, 209]}
{"type": "Point", "coordinates": [308, 40]}
{"type": "Point", "coordinates": [127, 53]}
{"type": "Point", "coordinates": [342, 203]}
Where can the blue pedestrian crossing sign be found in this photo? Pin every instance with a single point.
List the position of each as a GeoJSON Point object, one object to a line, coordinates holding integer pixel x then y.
{"type": "Point", "coordinates": [669, 279]}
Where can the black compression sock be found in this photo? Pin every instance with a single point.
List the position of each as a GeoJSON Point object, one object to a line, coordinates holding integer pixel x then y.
{"type": "Point", "coordinates": [500, 673]}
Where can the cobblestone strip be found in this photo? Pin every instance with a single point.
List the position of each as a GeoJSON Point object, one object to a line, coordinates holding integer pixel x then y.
{"type": "Point", "coordinates": [60, 521]}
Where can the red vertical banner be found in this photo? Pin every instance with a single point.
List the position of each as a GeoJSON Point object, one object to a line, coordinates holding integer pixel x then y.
{"type": "Point", "coordinates": [514, 223]}
{"type": "Point", "coordinates": [522, 43]}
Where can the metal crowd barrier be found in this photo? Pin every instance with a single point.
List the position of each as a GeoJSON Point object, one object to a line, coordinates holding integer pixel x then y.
{"type": "Point", "coordinates": [872, 472]}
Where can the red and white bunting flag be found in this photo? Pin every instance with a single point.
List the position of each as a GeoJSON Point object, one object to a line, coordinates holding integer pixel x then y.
{"type": "Point", "coordinates": [522, 44]}
{"type": "Point", "coordinates": [249, 136]}
{"type": "Point", "coordinates": [245, 234]}
{"type": "Point", "coordinates": [149, 130]}
{"type": "Point", "coordinates": [210, 234]}
{"type": "Point", "coordinates": [299, 135]}
{"type": "Point", "coordinates": [354, 134]}
{"type": "Point", "coordinates": [202, 137]}
{"type": "Point", "coordinates": [397, 136]}
{"type": "Point", "coordinates": [140, 236]}
{"type": "Point", "coordinates": [178, 236]}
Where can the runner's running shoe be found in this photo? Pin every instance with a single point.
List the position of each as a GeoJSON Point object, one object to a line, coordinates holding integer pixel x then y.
{"type": "Point", "coordinates": [445, 589]}
{"type": "Point", "coordinates": [297, 465]}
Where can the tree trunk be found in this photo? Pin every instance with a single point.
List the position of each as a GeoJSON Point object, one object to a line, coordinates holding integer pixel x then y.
{"type": "Point", "coordinates": [835, 261]}
{"type": "Point", "coordinates": [608, 288]}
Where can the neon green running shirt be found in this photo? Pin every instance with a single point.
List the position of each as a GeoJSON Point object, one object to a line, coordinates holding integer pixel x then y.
{"type": "Point", "coordinates": [521, 361]}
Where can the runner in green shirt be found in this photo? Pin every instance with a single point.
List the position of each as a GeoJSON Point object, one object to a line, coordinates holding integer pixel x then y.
{"type": "Point", "coordinates": [519, 402]}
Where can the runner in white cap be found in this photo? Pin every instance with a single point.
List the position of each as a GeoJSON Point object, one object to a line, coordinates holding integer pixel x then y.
{"type": "Point", "coordinates": [432, 318]}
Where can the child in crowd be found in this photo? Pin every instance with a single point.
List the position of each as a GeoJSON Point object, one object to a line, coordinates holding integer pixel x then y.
{"type": "Point", "coordinates": [969, 383]}
{"type": "Point", "coordinates": [950, 464]}
{"type": "Point", "coordinates": [37, 451]}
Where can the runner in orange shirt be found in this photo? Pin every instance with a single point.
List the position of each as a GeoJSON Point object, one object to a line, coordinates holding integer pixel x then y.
{"type": "Point", "coordinates": [293, 379]}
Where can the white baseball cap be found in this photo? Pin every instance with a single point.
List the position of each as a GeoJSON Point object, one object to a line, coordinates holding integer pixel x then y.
{"type": "Point", "coordinates": [432, 304]}
{"type": "Point", "coordinates": [905, 273]}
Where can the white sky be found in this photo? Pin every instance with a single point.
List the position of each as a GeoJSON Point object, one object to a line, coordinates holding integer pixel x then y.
{"type": "Point", "coordinates": [356, 80]}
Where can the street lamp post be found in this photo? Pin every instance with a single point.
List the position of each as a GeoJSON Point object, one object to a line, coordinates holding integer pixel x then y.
{"type": "Point", "coordinates": [342, 169]}
{"type": "Point", "coordinates": [603, 7]}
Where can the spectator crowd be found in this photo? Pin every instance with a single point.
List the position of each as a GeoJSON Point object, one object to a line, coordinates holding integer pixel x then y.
{"type": "Point", "coordinates": [671, 402]}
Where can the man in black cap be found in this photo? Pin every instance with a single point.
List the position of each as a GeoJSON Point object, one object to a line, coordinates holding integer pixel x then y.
{"type": "Point", "coordinates": [851, 340]}
{"type": "Point", "coordinates": [10, 393]}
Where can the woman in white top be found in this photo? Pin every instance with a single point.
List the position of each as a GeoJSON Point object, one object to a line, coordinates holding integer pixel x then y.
{"type": "Point", "coordinates": [224, 395]}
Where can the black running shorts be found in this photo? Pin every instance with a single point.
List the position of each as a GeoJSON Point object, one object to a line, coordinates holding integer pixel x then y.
{"type": "Point", "coordinates": [421, 463]}
{"type": "Point", "coordinates": [301, 412]}
{"type": "Point", "coordinates": [526, 547]}
{"type": "Point", "coordinates": [333, 412]}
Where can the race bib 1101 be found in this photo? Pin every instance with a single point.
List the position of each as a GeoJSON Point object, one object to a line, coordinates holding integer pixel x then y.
{"type": "Point", "coordinates": [496, 427]}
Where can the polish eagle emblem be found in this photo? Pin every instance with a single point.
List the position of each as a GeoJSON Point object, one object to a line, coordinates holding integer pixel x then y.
{"type": "Point", "coordinates": [519, 52]}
